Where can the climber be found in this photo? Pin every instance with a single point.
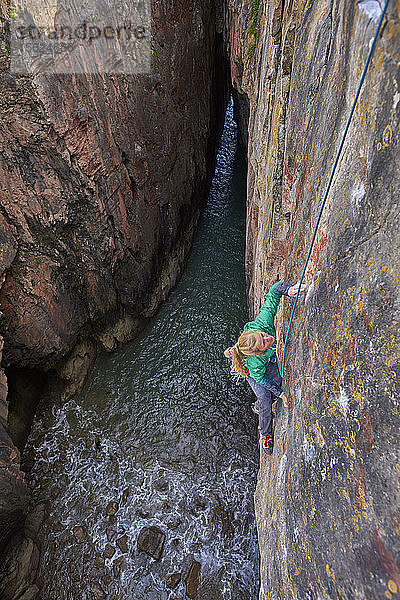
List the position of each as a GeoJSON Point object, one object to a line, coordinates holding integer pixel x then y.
{"type": "Point", "coordinates": [253, 357]}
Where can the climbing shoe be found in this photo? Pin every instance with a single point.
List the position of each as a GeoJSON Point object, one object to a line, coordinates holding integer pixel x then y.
{"type": "Point", "coordinates": [255, 409]}
{"type": "Point", "coordinates": [267, 444]}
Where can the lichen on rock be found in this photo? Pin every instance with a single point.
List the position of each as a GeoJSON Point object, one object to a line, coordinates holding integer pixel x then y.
{"type": "Point", "coordinates": [326, 514]}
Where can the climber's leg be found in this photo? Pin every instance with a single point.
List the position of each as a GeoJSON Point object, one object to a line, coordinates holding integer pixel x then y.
{"type": "Point", "coordinates": [274, 378]}
{"type": "Point", "coordinates": [264, 406]}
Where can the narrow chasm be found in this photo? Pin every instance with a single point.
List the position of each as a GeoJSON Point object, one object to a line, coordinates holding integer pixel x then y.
{"type": "Point", "coordinates": [159, 451]}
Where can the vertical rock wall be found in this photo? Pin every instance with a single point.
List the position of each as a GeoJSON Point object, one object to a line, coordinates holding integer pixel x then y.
{"type": "Point", "coordinates": [102, 176]}
{"type": "Point", "coordinates": [327, 500]}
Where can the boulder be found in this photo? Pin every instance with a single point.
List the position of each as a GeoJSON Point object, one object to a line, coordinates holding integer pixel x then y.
{"type": "Point", "coordinates": [193, 579]}
{"type": "Point", "coordinates": [99, 561]}
{"type": "Point", "coordinates": [112, 508]}
{"type": "Point", "coordinates": [119, 565]}
{"type": "Point", "coordinates": [122, 543]}
{"type": "Point", "coordinates": [151, 541]}
{"type": "Point", "coordinates": [80, 534]}
{"type": "Point", "coordinates": [109, 551]}
{"type": "Point", "coordinates": [97, 590]}
{"type": "Point", "coordinates": [173, 580]}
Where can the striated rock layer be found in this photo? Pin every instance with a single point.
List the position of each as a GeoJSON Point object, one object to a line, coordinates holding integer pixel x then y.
{"type": "Point", "coordinates": [102, 180]}
{"type": "Point", "coordinates": [327, 501]}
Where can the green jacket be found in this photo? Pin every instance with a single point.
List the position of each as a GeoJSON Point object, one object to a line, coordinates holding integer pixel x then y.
{"type": "Point", "coordinates": [265, 322]}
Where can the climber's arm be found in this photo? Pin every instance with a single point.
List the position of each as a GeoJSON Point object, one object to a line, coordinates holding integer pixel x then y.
{"type": "Point", "coordinates": [265, 318]}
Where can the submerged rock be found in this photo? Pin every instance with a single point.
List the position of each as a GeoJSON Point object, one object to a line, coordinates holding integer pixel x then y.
{"type": "Point", "coordinates": [151, 541]}
{"type": "Point", "coordinates": [58, 527]}
{"type": "Point", "coordinates": [99, 561]}
{"type": "Point", "coordinates": [210, 587]}
{"type": "Point", "coordinates": [122, 543]}
{"type": "Point", "coordinates": [173, 580]}
{"type": "Point", "coordinates": [90, 521]}
{"type": "Point", "coordinates": [110, 533]}
{"type": "Point", "coordinates": [112, 508]}
{"type": "Point", "coordinates": [174, 522]}
{"type": "Point", "coordinates": [161, 485]}
{"type": "Point", "coordinates": [192, 579]}
{"type": "Point", "coordinates": [80, 534]}
{"type": "Point", "coordinates": [109, 551]}
{"type": "Point", "coordinates": [97, 590]}
{"type": "Point", "coordinates": [119, 565]}
{"type": "Point", "coordinates": [143, 513]}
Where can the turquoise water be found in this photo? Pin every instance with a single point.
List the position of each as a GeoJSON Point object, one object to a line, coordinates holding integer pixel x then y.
{"type": "Point", "coordinates": [162, 430]}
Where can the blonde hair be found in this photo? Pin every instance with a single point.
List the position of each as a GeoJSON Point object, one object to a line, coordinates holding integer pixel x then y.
{"type": "Point", "coordinates": [244, 347]}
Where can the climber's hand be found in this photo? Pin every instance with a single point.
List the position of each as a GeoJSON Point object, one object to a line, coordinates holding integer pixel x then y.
{"type": "Point", "coordinates": [292, 291]}
{"type": "Point", "coordinates": [228, 353]}
{"type": "Point", "coordinates": [284, 401]}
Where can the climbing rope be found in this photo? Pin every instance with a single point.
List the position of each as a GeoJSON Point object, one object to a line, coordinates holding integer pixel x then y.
{"type": "Point", "coordinates": [331, 178]}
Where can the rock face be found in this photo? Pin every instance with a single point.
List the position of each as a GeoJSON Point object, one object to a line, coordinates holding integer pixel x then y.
{"type": "Point", "coordinates": [103, 179]}
{"type": "Point", "coordinates": [325, 501]}
{"type": "Point", "coordinates": [14, 491]}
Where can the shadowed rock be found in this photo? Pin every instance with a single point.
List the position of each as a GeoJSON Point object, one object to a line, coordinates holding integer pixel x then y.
{"type": "Point", "coordinates": [122, 543]}
{"type": "Point", "coordinates": [173, 580]}
{"type": "Point", "coordinates": [112, 508]}
{"type": "Point", "coordinates": [80, 533]}
{"type": "Point", "coordinates": [192, 579]}
{"type": "Point", "coordinates": [30, 594]}
{"type": "Point", "coordinates": [151, 541]}
{"type": "Point", "coordinates": [18, 567]}
{"type": "Point", "coordinates": [14, 492]}
{"type": "Point", "coordinates": [35, 519]}
{"type": "Point", "coordinates": [109, 551]}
